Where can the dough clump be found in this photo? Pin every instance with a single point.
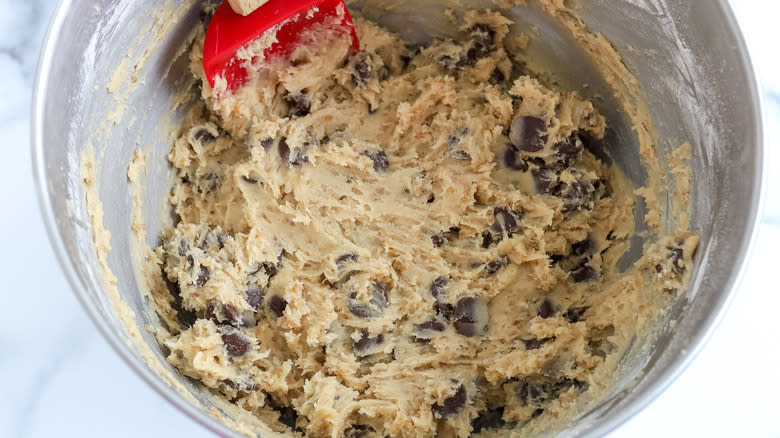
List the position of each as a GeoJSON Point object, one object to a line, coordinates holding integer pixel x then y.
{"type": "Point", "coordinates": [246, 7]}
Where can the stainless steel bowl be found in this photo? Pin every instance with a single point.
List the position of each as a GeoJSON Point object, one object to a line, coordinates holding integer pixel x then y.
{"type": "Point", "coordinates": [689, 57]}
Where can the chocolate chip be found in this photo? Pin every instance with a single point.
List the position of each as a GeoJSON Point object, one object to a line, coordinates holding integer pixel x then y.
{"type": "Point", "coordinates": [267, 142]}
{"type": "Point", "coordinates": [469, 58]}
{"type": "Point", "coordinates": [434, 325]}
{"type": "Point", "coordinates": [543, 182]}
{"type": "Point", "coordinates": [583, 248]}
{"type": "Point", "coordinates": [497, 76]}
{"type": "Point", "coordinates": [256, 269]}
{"type": "Point", "coordinates": [223, 314]}
{"type": "Point", "coordinates": [287, 416]}
{"type": "Point", "coordinates": [484, 38]}
{"type": "Point", "coordinates": [506, 220]}
{"type": "Point", "coordinates": [447, 61]}
{"type": "Point", "coordinates": [569, 150]}
{"type": "Point", "coordinates": [375, 306]}
{"type": "Point", "coordinates": [185, 316]}
{"type": "Point", "coordinates": [362, 69]}
{"type": "Point", "coordinates": [489, 419]}
{"type": "Point", "coordinates": [380, 159]}
{"type": "Point", "coordinates": [451, 406]}
{"type": "Point", "coordinates": [496, 265]}
{"type": "Point", "coordinates": [575, 314]}
{"type": "Point", "coordinates": [675, 256]}
{"type": "Point", "coordinates": [405, 60]}
{"type": "Point", "coordinates": [455, 138]}
{"type": "Point", "coordinates": [577, 195]}
{"type": "Point", "coordinates": [184, 247]}
{"type": "Point", "coordinates": [538, 392]}
{"type": "Point", "coordinates": [277, 305]}
{"type": "Point", "coordinates": [244, 386]}
{"type": "Point", "coordinates": [512, 160]}
{"type": "Point", "coordinates": [603, 187]}
{"type": "Point", "coordinates": [271, 269]}
{"type": "Point", "coordinates": [579, 385]}
{"type": "Point", "coordinates": [360, 310]}
{"type": "Point", "coordinates": [438, 290]}
{"type": "Point", "coordinates": [230, 383]}
{"type": "Point", "coordinates": [284, 150]}
{"type": "Point", "coordinates": [236, 343]}
{"type": "Point", "coordinates": [505, 225]}
{"type": "Point", "coordinates": [359, 431]}
{"type": "Point", "coordinates": [366, 344]}
{"type": "Point", "coordinates": [451, 234]}
{"type": "Point", "coordinates": [471, 316]}
{"type": "Point", "coordinates": [206, 239]}
{"type": "Point", "coordinates": [582, 273]}
{"type": "Point", "coordinates": [531, 392]}
{"type": "Point", "coordinates": [536, 343]}
{"type": "Point", "coordinates": [528, 133]}
{"type": "Point", "coordinates": [460, 154]}
{"type": "Point", "coordinates": [446, 310]}
{"type": "Point", "coordinates": [346, 258]}
{"type": "Point", "coordinates": [249, 179]}
{"type": "Point", "coordinates": [205, 17]}
{"type": "Point", "coordinates": [437, 240]}
{"type": "Point", "coordinates": [203, 276]}
{"type": "Point", "coordinates": [208, 183]}
{"type": "Point", "coordinates": [204, 136]}
{"type": "Point", "coordinates": [546, 309]}
{"type": "Point", "coordinates": [600, 347]}
{"type": "Point", "coordinates": [379, 296]}
{"type": "Point", "coordinates": [537, 413]}
{"type": "Point", "coordinates": [488, 239]}
{"type": "Point", "coordinates": [300, 104]}
{"type": "Point", "coordinates": [534, 393]}
{"type": "Point", "coordinates": [556, 258]}
{"type": "Point", "coordinates": [437, 287]}
{"type": "Point", "coordinates": [300, 154]}
{"type": "Point", "coordinates": [255, 295]}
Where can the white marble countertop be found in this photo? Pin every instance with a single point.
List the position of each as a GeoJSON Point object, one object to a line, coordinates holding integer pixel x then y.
{"type": "Point", "coordinates": [62, 379]}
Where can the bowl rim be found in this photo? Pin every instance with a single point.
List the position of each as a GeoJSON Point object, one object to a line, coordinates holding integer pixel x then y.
{"type": "Point", "coordinates": [674, 369]}
{"type": "Point", "coordinates": [37, 123]}
{"type": "Point", "coordinates": [690, 351]}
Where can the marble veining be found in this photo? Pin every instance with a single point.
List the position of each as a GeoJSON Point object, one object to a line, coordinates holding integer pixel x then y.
{"type": "Point", "coordinates": [60, 378]}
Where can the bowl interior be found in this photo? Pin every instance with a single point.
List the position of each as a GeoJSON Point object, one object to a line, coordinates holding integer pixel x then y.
{"type": "Point", "coordinates": [688, 57]}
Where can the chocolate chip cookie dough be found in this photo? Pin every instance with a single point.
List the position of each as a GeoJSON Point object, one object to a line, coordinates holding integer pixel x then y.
{"type": "Point", "coordinates": [404, 241]}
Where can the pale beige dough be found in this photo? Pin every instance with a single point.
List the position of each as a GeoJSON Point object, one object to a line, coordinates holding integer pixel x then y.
{"type": "Point", "coordinates": [382, 244]}
{"type": "Point", "coordinates": [246, 7]}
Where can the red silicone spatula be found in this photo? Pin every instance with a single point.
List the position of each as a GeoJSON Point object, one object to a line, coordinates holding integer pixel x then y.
{"type": "Point", "coordinates": [229, 31]}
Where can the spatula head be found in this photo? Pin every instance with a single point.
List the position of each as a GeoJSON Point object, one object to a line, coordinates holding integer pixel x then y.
{"type": "Point", "coordinates": [228, 32]}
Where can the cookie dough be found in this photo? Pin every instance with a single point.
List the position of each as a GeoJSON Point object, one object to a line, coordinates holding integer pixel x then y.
{"type": "Point", "coordinates": [246, 7]}
{"type": "Point", "coordinates": [404, 241]}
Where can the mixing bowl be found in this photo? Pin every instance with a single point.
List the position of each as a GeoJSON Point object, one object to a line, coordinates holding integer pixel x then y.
{"type": "Point", "coordinates": [109, 75]}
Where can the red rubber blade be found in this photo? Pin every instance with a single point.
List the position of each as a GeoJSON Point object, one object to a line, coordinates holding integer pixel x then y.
{"type": "Point", "coordinates": [228, 32]}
